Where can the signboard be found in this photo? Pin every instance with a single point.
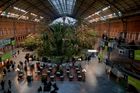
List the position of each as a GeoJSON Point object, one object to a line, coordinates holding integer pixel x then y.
{"type": "Point", "coordinates": [6, 56]}
{"type": "Point", "coordinates": [137, 55]}
{"type": "Point", "coordinates": [134, 82]}
{"type": "Point", "coordinates": [131, 54]}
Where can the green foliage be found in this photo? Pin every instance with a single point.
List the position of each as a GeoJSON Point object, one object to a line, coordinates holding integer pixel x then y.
{"type": "Point", "coordinates": [31, 42]}
{"type": "Point", "coordinates": [61, 42]}
{"type": "Point", "coordinates": [86, 39]}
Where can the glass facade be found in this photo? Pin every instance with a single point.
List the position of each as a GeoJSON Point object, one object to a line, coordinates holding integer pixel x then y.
{"type": "Point", "coordinates": [63, 7]}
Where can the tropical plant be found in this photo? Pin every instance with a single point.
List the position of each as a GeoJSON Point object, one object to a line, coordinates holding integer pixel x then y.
{"type": "Point", "coordinates": [31, 42]}
{"type": "Point", "coordinates": [59, 41]}
{"type": "Point", "coordinates": [86, 37]}
{"type": "Point", "coordinates": [63, 41]}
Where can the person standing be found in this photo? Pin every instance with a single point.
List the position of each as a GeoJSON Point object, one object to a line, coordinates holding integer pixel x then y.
{"type": "Point", "coordinates": [9, 83]}
{"type": "Point", "coordinates": [2, 84]}
{"type": "Point", "coordinates": [55, 87]}
{"type": "Point", "coordinates": [4, 71]}
{"type": "Point", "coordinates": [53, 91]}
{"type": "Point", "coordinates": [13, 66]}
{"type": "Point", "coordinates": [25, 69]}
{"type": "Point", "coordinates": [9, 91]}
{"type": "Point", "coordinates": [18, 52]}
{"type": "Point", "coordinates": [4, 91]}
{"type": "Point", "coordinates": [39, 89]}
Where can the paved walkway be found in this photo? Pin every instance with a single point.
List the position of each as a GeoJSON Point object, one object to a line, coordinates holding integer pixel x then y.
{"type": "Point", "coordinates": [96, 81]}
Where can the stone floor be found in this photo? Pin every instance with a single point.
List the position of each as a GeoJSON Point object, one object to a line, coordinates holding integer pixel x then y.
{"type": "Point", "coordinates": [96, 81]}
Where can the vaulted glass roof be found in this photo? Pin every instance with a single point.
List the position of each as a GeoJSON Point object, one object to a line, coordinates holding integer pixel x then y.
{"type": "Point", "coordinates": [63, 7]}
{"type": "Point", "coordinates": [49, 10]}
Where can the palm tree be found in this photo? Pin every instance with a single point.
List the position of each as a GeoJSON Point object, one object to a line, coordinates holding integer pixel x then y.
{"type": "Point", "coordinates": [64, 41]}
{"type": "Point", "coordinates": [59, 41]}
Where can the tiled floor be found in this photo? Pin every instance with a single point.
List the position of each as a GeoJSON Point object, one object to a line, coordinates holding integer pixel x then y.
{"type": "Point", "coordinates": [96, 81]}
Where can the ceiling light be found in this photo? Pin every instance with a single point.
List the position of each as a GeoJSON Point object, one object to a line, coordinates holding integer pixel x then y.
{"type": "Point", "coordinates": [16, 8]}
{"type": "Point", "coordinates": [33, 14]}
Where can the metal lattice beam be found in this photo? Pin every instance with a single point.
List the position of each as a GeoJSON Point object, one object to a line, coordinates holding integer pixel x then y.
{"type": "Point", "coordinates": [135, 3]}
{"type": "Point", "coordinates": [3, 4]}
{"type": "Point", "coordinates": [60, 5]}
{"type": "Point", "coordinates": [43, 3]}
{"type": "Point", "coordinates": [66, 4]}
{"type": "Point", "coordinates": [121, 6]}
{"type": "Point", "coordinates": [79, 7]}
{"type": "Point", "coordinates": [90, 6]}
{"type": "Point", "coordinates": [36, 7]}
{"type": "Point", "coordinates": [127, 4]}
{"type": "Point", "coordinates": [112, 4]}
{"type": "Point", "coordinates": [14, 2]}
{"type": "Point", "coordinates": [28, 9]}
{"type": "Point", "coordinates": [112, 9]}
{"type": "Point", "coordinates": [98, 10]}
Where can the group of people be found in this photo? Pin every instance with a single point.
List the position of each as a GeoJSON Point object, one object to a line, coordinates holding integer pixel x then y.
{"type": "Point", "coordinates": [49, 87]}
{"type": "Point", "coordinates": [3, 86]}
{"type": "Point", "coordinates": [9, 66]}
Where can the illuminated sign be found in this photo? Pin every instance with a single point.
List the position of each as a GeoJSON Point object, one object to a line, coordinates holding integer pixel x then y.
{"type": "Point", "coordinates": [135, 82]}
{"type": "Point", "coordinates": [137, 55]}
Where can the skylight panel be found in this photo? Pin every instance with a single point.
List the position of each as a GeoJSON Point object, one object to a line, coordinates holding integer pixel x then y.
{"type": "Point", "coordinates": [63, 7]}
{"type": "Point", "coordinates": [97, 13]}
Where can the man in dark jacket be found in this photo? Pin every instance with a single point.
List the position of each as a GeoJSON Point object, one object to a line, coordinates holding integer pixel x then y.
{"type": "Point", "coordinates": [2, 84]}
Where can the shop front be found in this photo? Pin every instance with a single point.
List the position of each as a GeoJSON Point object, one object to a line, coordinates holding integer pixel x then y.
{"type": "Point", "coordinates": [4, 58]}
{"type": "Point", "coordinates": [6, 50]}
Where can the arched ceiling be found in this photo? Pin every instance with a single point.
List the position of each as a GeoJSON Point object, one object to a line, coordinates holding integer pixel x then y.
{"type": "Point", "coordinates": [46, 9]}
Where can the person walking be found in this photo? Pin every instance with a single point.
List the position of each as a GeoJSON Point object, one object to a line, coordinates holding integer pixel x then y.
{"type": "Point", "coordinates": [9, 91]}
{"type": "Point", "coordinates": [13, 66]}
{"type": "Point", "coordinates": [39, 89]}
{"type": "Point", "coordinates": [55, 87]}
{"type": "Point", "coordinates": [25, 69]}
{"type": "Point", "coordinates": [53, 91]}
{"type": "Point", "coordinates": [2, 84]}
{"type": "Point", "coordinates": [4, 71]}
{"type": "Point", "coordinates": [4, 91]}
{"type": "Point", "coordinates": [18, 52]}
{"type": "Point", "coordinates": [9, 83]}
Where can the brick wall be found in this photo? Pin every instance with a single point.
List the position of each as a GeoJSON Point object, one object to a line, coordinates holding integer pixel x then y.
{"type": "Point", "coordinates": [16, 28]}
{"type": "Point", "coordinates": [116, 26]}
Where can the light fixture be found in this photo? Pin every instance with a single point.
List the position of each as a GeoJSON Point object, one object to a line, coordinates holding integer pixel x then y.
{"type": "Point", "coordinates": [22, 10]}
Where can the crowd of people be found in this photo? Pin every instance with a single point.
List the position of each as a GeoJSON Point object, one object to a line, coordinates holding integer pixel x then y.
{"type": "Point", "coordinates": [3, 83]}
{"type": "Point", "coordinates": [49, 86]}
{"type": "Point", "coordinates": [53, 72]}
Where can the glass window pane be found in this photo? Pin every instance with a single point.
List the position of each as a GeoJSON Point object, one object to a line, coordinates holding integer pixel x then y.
{"type": "Point", "coordinates": [63, 6]}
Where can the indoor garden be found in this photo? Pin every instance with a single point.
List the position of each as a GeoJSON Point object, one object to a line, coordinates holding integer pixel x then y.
{"type": "Point", "coordinates": [61, 41]}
